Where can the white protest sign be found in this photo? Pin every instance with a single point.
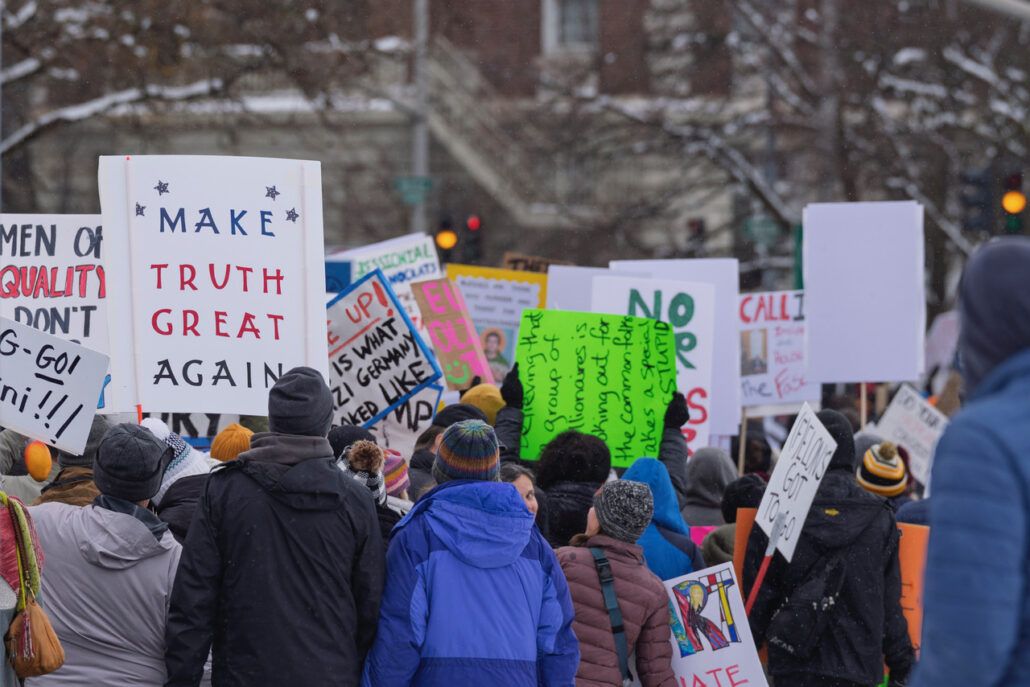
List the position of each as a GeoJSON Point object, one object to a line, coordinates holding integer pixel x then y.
{"type": "Point", "coordinates": [403, 260]}
{"type": "Point", "coordinates": [376, 358]}
{"type": "Point", "coordinates": [864, 291]}
{"type": "Point", "coordinates": [724, 274]}
{"type": "Point", "coordinates": [712, 644]}
{"type": "Point", "coordinates": [915, 425]}
{"type": "Point", "coordinates": [772, 352]}
{"type": "Point", "coordinates": [216, 279]}
{"type": "Point", "coordinates": [403, 425]}
{"type": "Point", "coordinates": [48, 386]}
{"type": "Point", "coordinates": [689, 308]}
{"type": "Point", "coordinates": [570, 288]}
{"type": "Point", "coordinates": [795, 480]}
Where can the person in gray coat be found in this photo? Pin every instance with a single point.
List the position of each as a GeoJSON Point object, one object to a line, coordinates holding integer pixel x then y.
{"type": "Point", "coordinates": [709, 472]}
{"type": "Point", "coordinates": [109, 569]}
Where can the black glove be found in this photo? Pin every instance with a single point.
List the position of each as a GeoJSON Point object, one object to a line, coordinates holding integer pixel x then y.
{"type": "Point", "coordinates": [676, 415]}
{"type": "Point", "coordinates": [476, 381]}
{"type": "Point", "coordinates": [511, 388]}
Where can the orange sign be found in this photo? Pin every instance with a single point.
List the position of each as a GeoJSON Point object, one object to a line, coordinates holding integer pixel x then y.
{"type": "Point", "coordinates": [912, 553]}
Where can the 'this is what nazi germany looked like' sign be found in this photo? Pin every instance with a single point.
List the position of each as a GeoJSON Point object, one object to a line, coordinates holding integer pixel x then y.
{"type": "Point", "coordinates": [377, 360]}
{"type": "Point", "coordinates": [216, 280]}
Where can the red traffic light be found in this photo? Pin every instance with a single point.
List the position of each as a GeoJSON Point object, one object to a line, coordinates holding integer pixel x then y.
{"type": "Point", "coordinates": [473, 223]}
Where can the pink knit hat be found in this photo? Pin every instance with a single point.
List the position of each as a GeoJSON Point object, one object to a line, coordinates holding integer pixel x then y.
{"type": "Point", "coordinates": [396, 473]}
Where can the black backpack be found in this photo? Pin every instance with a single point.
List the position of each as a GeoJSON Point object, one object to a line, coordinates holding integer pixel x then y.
{"type": "Point", "coordinates": [799, 623]}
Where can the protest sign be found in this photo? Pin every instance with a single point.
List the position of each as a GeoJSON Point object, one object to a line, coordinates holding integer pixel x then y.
{"type": "Point", "coordinates": [915, 425]}
{"type": "Point", "coordinates": [403, 260]}
{"type": "Point", "coordinates": [912, 559]}
{"type": "Point", "coordinates": [723, 273]}
{"type": "Point", "coordinates": [802, 464]}
{"type": "Point", "coordinates": [48, 386]}
{"type": "Point", "coordinates": [712, 644]}
{"type": "Point", "coordinates": [862, 326]}
{"type": "Point", "coordinates": [571, 288]}
{"type": "Point", "coordinates": [529, 263]}
{"type": "Point", "coordinates": [453, 335]}
{"type": "Point", "coordinates": [606, 375]}
{"type": "Point", "coordinates": [403, 425]}
{"type": "Point", "coordinates": [215, 278]}
{"type": "Point", "coordinates": [496, 299]}
{"type": "Point", "coordinates": [772, 352]}
{"type": "Point", "coordinates": [376, 358]}
{"type": "Point", "coordinates": [689, 308]}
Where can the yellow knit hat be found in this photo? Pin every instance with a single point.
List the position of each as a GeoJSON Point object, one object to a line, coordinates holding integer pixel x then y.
{"type": "Point", "coordinates": [486, 397]}
{"type": "Point", "coordinates": [882, 471]}
{"type": "Point", "coordinates": [231, 442]}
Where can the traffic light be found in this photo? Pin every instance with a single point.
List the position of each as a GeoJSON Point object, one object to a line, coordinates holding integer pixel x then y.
{"type": "Point", "coordinates": [446, 239]}
{"type": "Point", "coordinates": [473, 239]}
{"type": "Point", "coordinates": [1013, 203]}
{"type": "Point", "coordinates": [977, 199]}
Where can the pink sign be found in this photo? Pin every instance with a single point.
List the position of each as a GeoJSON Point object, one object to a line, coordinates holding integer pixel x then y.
{"type": "Point", "coordinates": [455, 341]}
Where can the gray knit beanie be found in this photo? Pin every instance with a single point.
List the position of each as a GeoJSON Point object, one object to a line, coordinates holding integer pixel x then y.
{"type": "Point", "coordinates": [624, 509]}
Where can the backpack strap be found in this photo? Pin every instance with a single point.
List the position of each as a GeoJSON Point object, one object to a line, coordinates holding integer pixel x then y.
{"type": "Point", "coordinates": [611, 602]}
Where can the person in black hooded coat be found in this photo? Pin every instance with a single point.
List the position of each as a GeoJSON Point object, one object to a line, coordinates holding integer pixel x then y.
{"type": "Point", "coordinates": [283, 565]}
{"type": "Point", "coordinates": [865, 627]}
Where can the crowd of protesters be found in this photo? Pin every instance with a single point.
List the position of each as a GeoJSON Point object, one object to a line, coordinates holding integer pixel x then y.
{"type": "Point", "coordinates": [310, 555]}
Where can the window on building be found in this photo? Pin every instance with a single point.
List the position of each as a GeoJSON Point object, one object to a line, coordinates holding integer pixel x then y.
{"type": "Point", "coordinates": [570, 25]}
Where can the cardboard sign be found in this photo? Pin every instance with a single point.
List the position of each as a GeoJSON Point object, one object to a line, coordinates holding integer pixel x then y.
{"type": "Point", "coordinates": [712, 644]}
{"type": "Point", "coordinates": [604, 375]}
{"type": "Point", "coordinates": [796, 478]}
{"type": "Point", "coordinates": [48, 386]}
{"type": "Point", "coordinates": [377, 360]}
{"type": "Point", "coordinates": [860, 327]}
{"type": "Point", "coordinates": [689, 308]}
{"type": "Point", "coordinates": [724, 274]}
{"type": "Point", "coordinates": [916, 425]}
{"type": "Point", "coordinates": [402, 260]}
{"type": "Point", "coordinates": [772, 352]}
{"type": "Point", "coordinates": [912, 557]}
{"type": "Point", "coordinates": [403, 425]}
{"type": "Point", "coordinates": [453, 335]}
{"type": "Point", "coordinates": [529, 263]}
{"type": "Point", "coordinates": [496, 299]}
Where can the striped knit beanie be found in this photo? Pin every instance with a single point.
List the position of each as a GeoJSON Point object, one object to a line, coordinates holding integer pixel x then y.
{"type": "Point", "coordinates": [363, 461]}
{"type": "Point", "coordinates": [469, 450]}
{"type": "Point", "coordinates": [882, 471]}
{"type": "Point", "coordinates": [395, 472]}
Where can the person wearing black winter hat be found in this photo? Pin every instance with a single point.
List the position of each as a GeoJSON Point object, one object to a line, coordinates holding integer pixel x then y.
{"type": "Point", "coordinates": [279, 530]}
{"type": "Point", "coordinates": [847, 551]}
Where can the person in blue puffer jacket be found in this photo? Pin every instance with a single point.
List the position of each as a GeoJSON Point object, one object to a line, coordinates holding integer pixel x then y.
{"type": "Point", "coordinates": [474, 595]}
{"type": "Point", "coordinates": [976, 622]}
{"type": "Point", "coordinates": [668, 549]}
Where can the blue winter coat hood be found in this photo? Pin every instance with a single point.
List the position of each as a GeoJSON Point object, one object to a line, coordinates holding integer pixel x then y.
{"type": "Point", "coordinates": [484, 524]}
{"type": "Point", "coordinates": [666, 507]}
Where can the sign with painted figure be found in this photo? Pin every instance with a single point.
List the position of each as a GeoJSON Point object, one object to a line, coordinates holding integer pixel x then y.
{"type": "Point", "coordinates": [772, 352]}
{"type": "Point", "coordinates": [712, 644]}
{"type": "Point", "coordinates": [865, 300]}
{"type": "Point", "coordinates": [402, 260]}
{"type": "Point", "coordinates": [496, 299]}
{"type": "Point", "coordinates": [52, 278]}
{"type": "Point", "coordinates": [803, 461]}
{"type": "Point", "coordinates": [724, 275]}
{"type": "Point", "coordinates": [607, 375]}
{"type": "Point", "coordinates": [529, 263]}
{"type": "Point", "coordinates": [377, 360]}
{"type": "Point", "coordinates": [216, 279]}
{"type": "Point", "coordinates": [452, 333]}
{"type": "Point", "coordinates": [402, 426]}
{"type": "Point", "coordinates": [689, 308]}
{"type": "Point", "coordinates": [917, 426]}
{"type": "Point", "coordinates": [48, 386]}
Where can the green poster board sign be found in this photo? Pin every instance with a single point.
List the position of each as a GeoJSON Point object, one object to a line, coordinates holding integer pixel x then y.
{"type": "Point", "coordinates": [607, 375]}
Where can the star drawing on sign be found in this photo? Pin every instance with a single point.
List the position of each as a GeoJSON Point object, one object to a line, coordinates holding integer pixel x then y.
{"type": "Point", "coordinates": [162, 187]}
{"type": "Point", "coordinates": [140, 209]}
{"type": "Point", "coordinates": [271, 192]}
{"type": "Point", "coordinates": [292, 215]}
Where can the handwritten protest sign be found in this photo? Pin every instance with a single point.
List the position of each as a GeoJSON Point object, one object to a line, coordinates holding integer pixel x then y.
{"type": "Point", "coordinates": [403, 425]}
{"type": "Point", "coordinates": [48, 386]}
{"type": "Point", "coordinates": [376, 358]}
{"type": "Point", "coordinates": [712, 644]}
{"type": "Point", "coordinates": [215, 279]}
{"type": "Point", "coordinates": [496, 299]}
{"type": "Point", "coordinates": [724, 274]}
{"type": "Point", "coordinates": [846, 311]}
{"type": "Point", "coordinates": [916, 425]}
{"type": "Point", "coordinates": [454, 337]}
{"type": "Point", "coordinates": [403, 260]}
{"type": "Point", "coordinates": [606, 375]}
{"type": "Point", "coordinates": [772, 352]}
{"type": "Point", "coordinates": [689, 308]}
{"type": "Point", "coordinates": [529, 263]}
{"type": "Point", "coordinates": [802, 464]}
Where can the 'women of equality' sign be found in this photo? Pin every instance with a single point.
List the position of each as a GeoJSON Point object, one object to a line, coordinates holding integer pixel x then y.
{"type": "Point", "coordinates": [216, 279]}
